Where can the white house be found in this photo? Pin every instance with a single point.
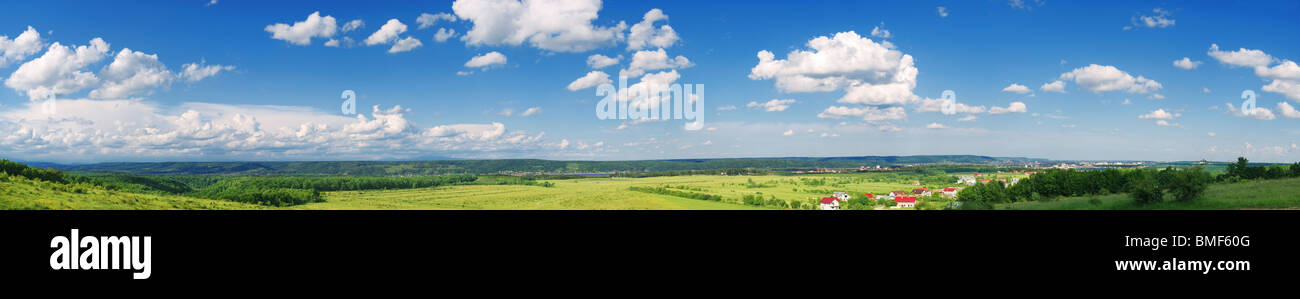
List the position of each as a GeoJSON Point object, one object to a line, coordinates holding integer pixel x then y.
{"type": "Point", "coordinates": [968, 180]}
{"type": "Point", "coordinates": [830, 203]}
{"type": "Point", "coordinates": [950, 192]}
{"type": "Point", "coordinates": [843, 196]}
{"type": "Point", "coordinates": [905, 201]}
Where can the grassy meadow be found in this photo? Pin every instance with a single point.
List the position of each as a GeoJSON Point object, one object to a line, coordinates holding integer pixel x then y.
{"type": "Point", "coordinates": [607, 193]}
{"type": "Point", "coordinates": [18, 193]}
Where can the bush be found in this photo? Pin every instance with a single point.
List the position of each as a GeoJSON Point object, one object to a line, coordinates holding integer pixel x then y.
{"type": "Point", "coordinates": [668, 190]}
{"type": "Point", "coordinates": [1188, 184]}
{"type": "Point", "coordinates": [1144, 187]}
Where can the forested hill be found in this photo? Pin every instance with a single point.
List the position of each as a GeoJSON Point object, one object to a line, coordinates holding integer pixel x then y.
{"type": "Point", "coordinates": [389, 168]}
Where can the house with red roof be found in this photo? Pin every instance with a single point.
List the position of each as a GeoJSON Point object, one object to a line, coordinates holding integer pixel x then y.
{"type": "Point", "coordinates": [905, 201]}
{"type": "Point", "coordinates": [869, 195]}
{"type": "Point", "coordinates": [950, 192]}
{"type": "Point", "coordinates": [830, 203]}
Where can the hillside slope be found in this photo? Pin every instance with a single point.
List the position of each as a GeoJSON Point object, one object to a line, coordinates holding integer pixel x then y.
{"type": "Point", "coordinates": [18, 193]}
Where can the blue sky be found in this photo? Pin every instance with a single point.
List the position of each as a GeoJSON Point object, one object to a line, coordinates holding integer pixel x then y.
{"type": "Point", "coordinates": [219, 81]}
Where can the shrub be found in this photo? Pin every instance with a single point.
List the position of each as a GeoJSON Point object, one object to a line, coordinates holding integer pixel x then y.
{"type": "Point", "coordinates": [1144, 187]}
{"type": "Point", "coordinates": [1188, 184]}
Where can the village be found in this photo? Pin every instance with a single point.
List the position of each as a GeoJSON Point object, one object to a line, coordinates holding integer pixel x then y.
{"type": "Point", "coordinates": [909, 199]}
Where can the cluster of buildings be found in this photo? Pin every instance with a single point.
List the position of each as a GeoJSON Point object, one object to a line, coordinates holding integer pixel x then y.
{"type": "Point", "coordinates": [970, 180]}
{"type": "Point", "coordinates": [901, 198]}
{"type": "Point", "coordinates": [1097, 165]}
{"type": "Point", "coordinates": [556, 173]}
{"type": "Point", "coordinates": [825, 170]}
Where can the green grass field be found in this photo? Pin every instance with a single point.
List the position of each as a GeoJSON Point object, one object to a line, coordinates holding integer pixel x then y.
{"type": "Point", "coordinates": [1270, 194]}
{"type": "Point", "coordinates": [17, 193]}
{"type": "Point", "coordinates": [602, 194]}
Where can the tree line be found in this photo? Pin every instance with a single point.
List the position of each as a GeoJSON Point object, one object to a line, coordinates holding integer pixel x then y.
{"type": "Point", "coordinates": [272, 191]}
{"type": "Point", "coordinates": [1241, 170]}
{"type": "Point", "coordinates": [19, 169]}
{"type": "Point", "coordinates": [287, 191]}
{"type": "Point", "coordinates": [1145, 186]}
{"type": "Point", "coordinates": [756, 200]}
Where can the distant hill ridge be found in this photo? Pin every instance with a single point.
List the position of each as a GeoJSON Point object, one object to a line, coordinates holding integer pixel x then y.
{"type": "Point", "coordinates": [433, 167]}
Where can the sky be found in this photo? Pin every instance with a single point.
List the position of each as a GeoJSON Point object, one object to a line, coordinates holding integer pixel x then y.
{"type": "Point", "coordinates": [230, 80]}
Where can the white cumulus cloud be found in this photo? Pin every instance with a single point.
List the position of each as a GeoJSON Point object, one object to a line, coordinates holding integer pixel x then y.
{"type": "Point", "coordinates": [870, 73]}
{"type": "Point", "coordinates": [353, 25]}
{"type": "Point", "coordinates": [1159, 114]}
{"type": "Point", "coordinates": [1259, 113]}
{"type": "Point", "coordinates": [1057, 86]}
{"type": "Point", "coordinates": [132, 73]}
{"type": "Point", "coordinates": [487, 60]}
{"type": "Point", "coordinates": [592, 79]}
{"type": "Point", "coordinates": [646, 35]}
{"type": "Point", "coordinates": [405, 44]}
{"type": "Point", "coordinates": [387, 33]}
{"type": "Point", "coordinates": [19, 48]}
{"type": "Point", "coordinates": [444, 34]}
{"type": "Point", "coordinates": [426, 20]}
{"type": "Point", "coordinates": [58, 71]}
{"type": "Point", "coordinates": [559, 26]}
{"type": "Point", "coordinates": [1158, 19]}
{"type": "Point", "coordinates": [774, 105]}
{"type": "Point", "coordinates": [301, 33]}
{"type": "Point", "coordinates": [1287, 110]}
{"type": "Point", "coordinates": [1014, 107]}
{"type": "Point", "coordinates": [1240, 57]}
{"type": "Point", "coordinates": [1187, 63]}
{"type": "Point", "coordinates": [1016, 88]}
{"type": "Point", "coordinates": [1103, 78]}
{"type": "Point", "coordinates": [647, 60]}
{"type": "Point", "coordinates": [193, 72]}
{"type": "Point", "coordinates": [597, 61]}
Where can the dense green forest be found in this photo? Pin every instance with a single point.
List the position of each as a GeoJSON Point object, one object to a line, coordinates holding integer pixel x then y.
{"type": "Point", "coordinates": [392, 168]}
{"type": "Point", "coordinates": [19, 169]}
